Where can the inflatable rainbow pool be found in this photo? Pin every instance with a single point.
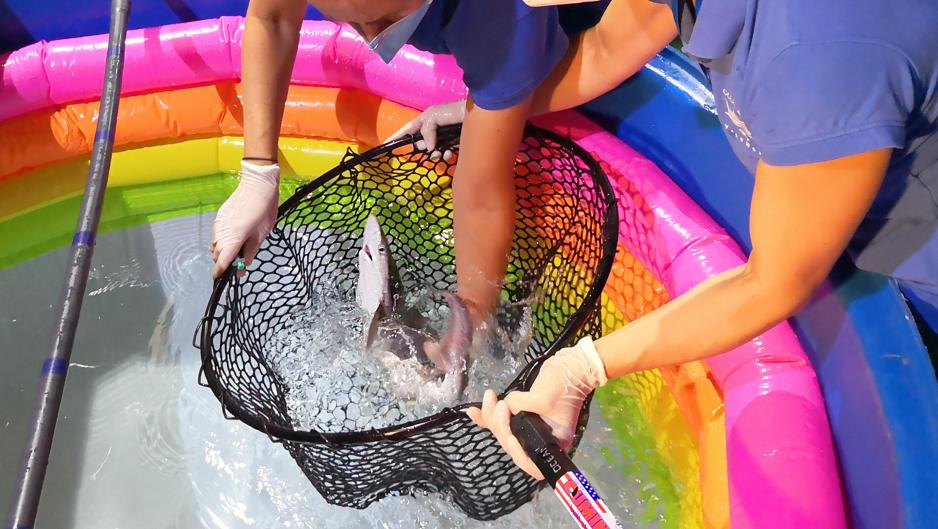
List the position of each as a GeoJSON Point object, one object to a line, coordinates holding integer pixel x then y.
{"type": "Point", "coordinates": [746, 434]}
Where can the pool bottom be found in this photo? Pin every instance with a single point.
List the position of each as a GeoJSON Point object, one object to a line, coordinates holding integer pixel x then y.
{"type": "Point", "coordinates": [140, 444]}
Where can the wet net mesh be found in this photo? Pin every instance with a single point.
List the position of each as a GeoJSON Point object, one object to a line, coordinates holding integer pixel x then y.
{"type": "Point", "coordinates": [564, 244]}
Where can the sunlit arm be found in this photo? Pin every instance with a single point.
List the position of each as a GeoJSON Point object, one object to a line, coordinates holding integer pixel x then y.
{"type": "Point", "coordinates": [801, 220]}
{"type": "Point", "coordinates": [271, 36]}
{"type": "Point", "coordinates": [629, 34]}
{"type": "Point", "coordinates": [484, 202]}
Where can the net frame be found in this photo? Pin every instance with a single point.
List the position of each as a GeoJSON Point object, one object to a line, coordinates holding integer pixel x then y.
{"type": "Point", "coordinates": [512, 487]}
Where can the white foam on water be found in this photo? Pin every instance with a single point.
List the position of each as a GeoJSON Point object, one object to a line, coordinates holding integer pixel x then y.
{"type": "Point", "coordinates": [334, 384]}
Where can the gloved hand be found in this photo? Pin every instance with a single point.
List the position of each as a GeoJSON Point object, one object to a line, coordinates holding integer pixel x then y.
{"type": "Point", "coordinates": [558, 392]}
{"type": "Point", "coordinates": [247, 217]}
{"type": "Point", "coordinates": [428, 123]}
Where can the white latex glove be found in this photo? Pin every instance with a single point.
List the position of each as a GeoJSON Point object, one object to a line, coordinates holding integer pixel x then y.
{"type": "Point", "coordinates": [558, 392]}
{"type": "Point", "coordinates": [428, 123]}
{"type": "Point", "coordinates": [247, 217]}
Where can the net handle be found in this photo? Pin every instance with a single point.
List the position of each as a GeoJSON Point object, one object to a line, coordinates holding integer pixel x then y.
{"type": "Point", "coordinates": [28, 489]}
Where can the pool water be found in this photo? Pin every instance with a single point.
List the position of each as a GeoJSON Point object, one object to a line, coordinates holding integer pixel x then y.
{"type": "Point", "coordinates": [139, 444]}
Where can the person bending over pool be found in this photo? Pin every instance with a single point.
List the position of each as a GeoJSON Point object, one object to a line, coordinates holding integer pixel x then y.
{"type": "Point", "coordinates": [833, 106]}
{"type": "Point", "coordinates": [505, 49]}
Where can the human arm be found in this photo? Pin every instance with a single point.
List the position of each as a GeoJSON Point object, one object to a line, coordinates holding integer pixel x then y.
{"type": "Point", "coordinates": [484, 202]}
{"type": "Point", "coordinates": [627, 36]}
{"type": "Point", "coordinates": [271, 35]}
{"type": "Point", "coordinates": [802, 218]}
{"type": "Point", "coordinates": [505, 50]}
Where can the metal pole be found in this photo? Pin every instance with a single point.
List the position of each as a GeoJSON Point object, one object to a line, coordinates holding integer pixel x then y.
{"type": "Point", "coordinates": [55, 367]}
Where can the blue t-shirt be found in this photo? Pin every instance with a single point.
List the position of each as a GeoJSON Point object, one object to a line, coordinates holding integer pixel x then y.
{"type": "Point", "coordinates": [801, 81]}
{"type": "Point", "coordinates": [505, 48]}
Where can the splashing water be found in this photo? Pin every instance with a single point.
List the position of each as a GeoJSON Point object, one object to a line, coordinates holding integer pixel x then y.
{"type": "Point", "coordinates": [333, 384]}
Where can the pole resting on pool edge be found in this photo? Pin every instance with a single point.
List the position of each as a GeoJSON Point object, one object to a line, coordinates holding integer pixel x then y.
{"type": "Point", "coordinates": [28, 489]}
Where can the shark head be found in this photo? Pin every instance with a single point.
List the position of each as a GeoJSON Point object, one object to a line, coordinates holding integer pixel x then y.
{"type": "Point", "coordinates": [374, 290]}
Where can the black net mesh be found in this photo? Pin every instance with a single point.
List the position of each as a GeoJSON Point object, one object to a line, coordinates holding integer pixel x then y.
{"type": "Point", "coordinates": [565, 238]}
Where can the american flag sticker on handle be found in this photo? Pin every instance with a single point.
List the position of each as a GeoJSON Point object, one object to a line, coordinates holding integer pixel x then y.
{"type": "Point", "coordinates": [584, 504]}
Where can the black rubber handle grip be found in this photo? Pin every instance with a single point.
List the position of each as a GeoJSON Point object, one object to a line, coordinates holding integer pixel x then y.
{"type": "Point", "coordinates": [569, 484]}
{"type": "Point", "coordinates": [535, 437]}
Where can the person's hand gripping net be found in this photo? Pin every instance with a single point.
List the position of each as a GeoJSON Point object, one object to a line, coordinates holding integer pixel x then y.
{"type": "Point", "coordinates": [247, 217]}
{"type": "Point", "coordinates": [429, 122]}
{"type": "Point", "coordinates": [562, 384]}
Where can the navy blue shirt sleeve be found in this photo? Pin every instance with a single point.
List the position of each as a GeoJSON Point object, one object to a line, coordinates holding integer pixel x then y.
{"type": "Point", "coordinates": [505, 49]}
{"type": "Point", "coordinates": [814, 103]}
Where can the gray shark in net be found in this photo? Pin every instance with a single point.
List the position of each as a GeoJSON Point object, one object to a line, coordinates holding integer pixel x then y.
{"type": "Point", "coordinates": [394, 327]}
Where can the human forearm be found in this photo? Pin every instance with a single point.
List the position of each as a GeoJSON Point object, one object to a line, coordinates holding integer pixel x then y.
{"type": "Point", "coordinates": [629, 34]}
{"type": "Point", "coordinates": [801, 219]}
{"type": "Point", "coordinates": [484, 202]}
{"type": "Point", "coordinates": [717, 315]}
{"type": "Point", "coordinates": [270, 39]}
{"type": "Point", "coordinates": [271, 35]}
